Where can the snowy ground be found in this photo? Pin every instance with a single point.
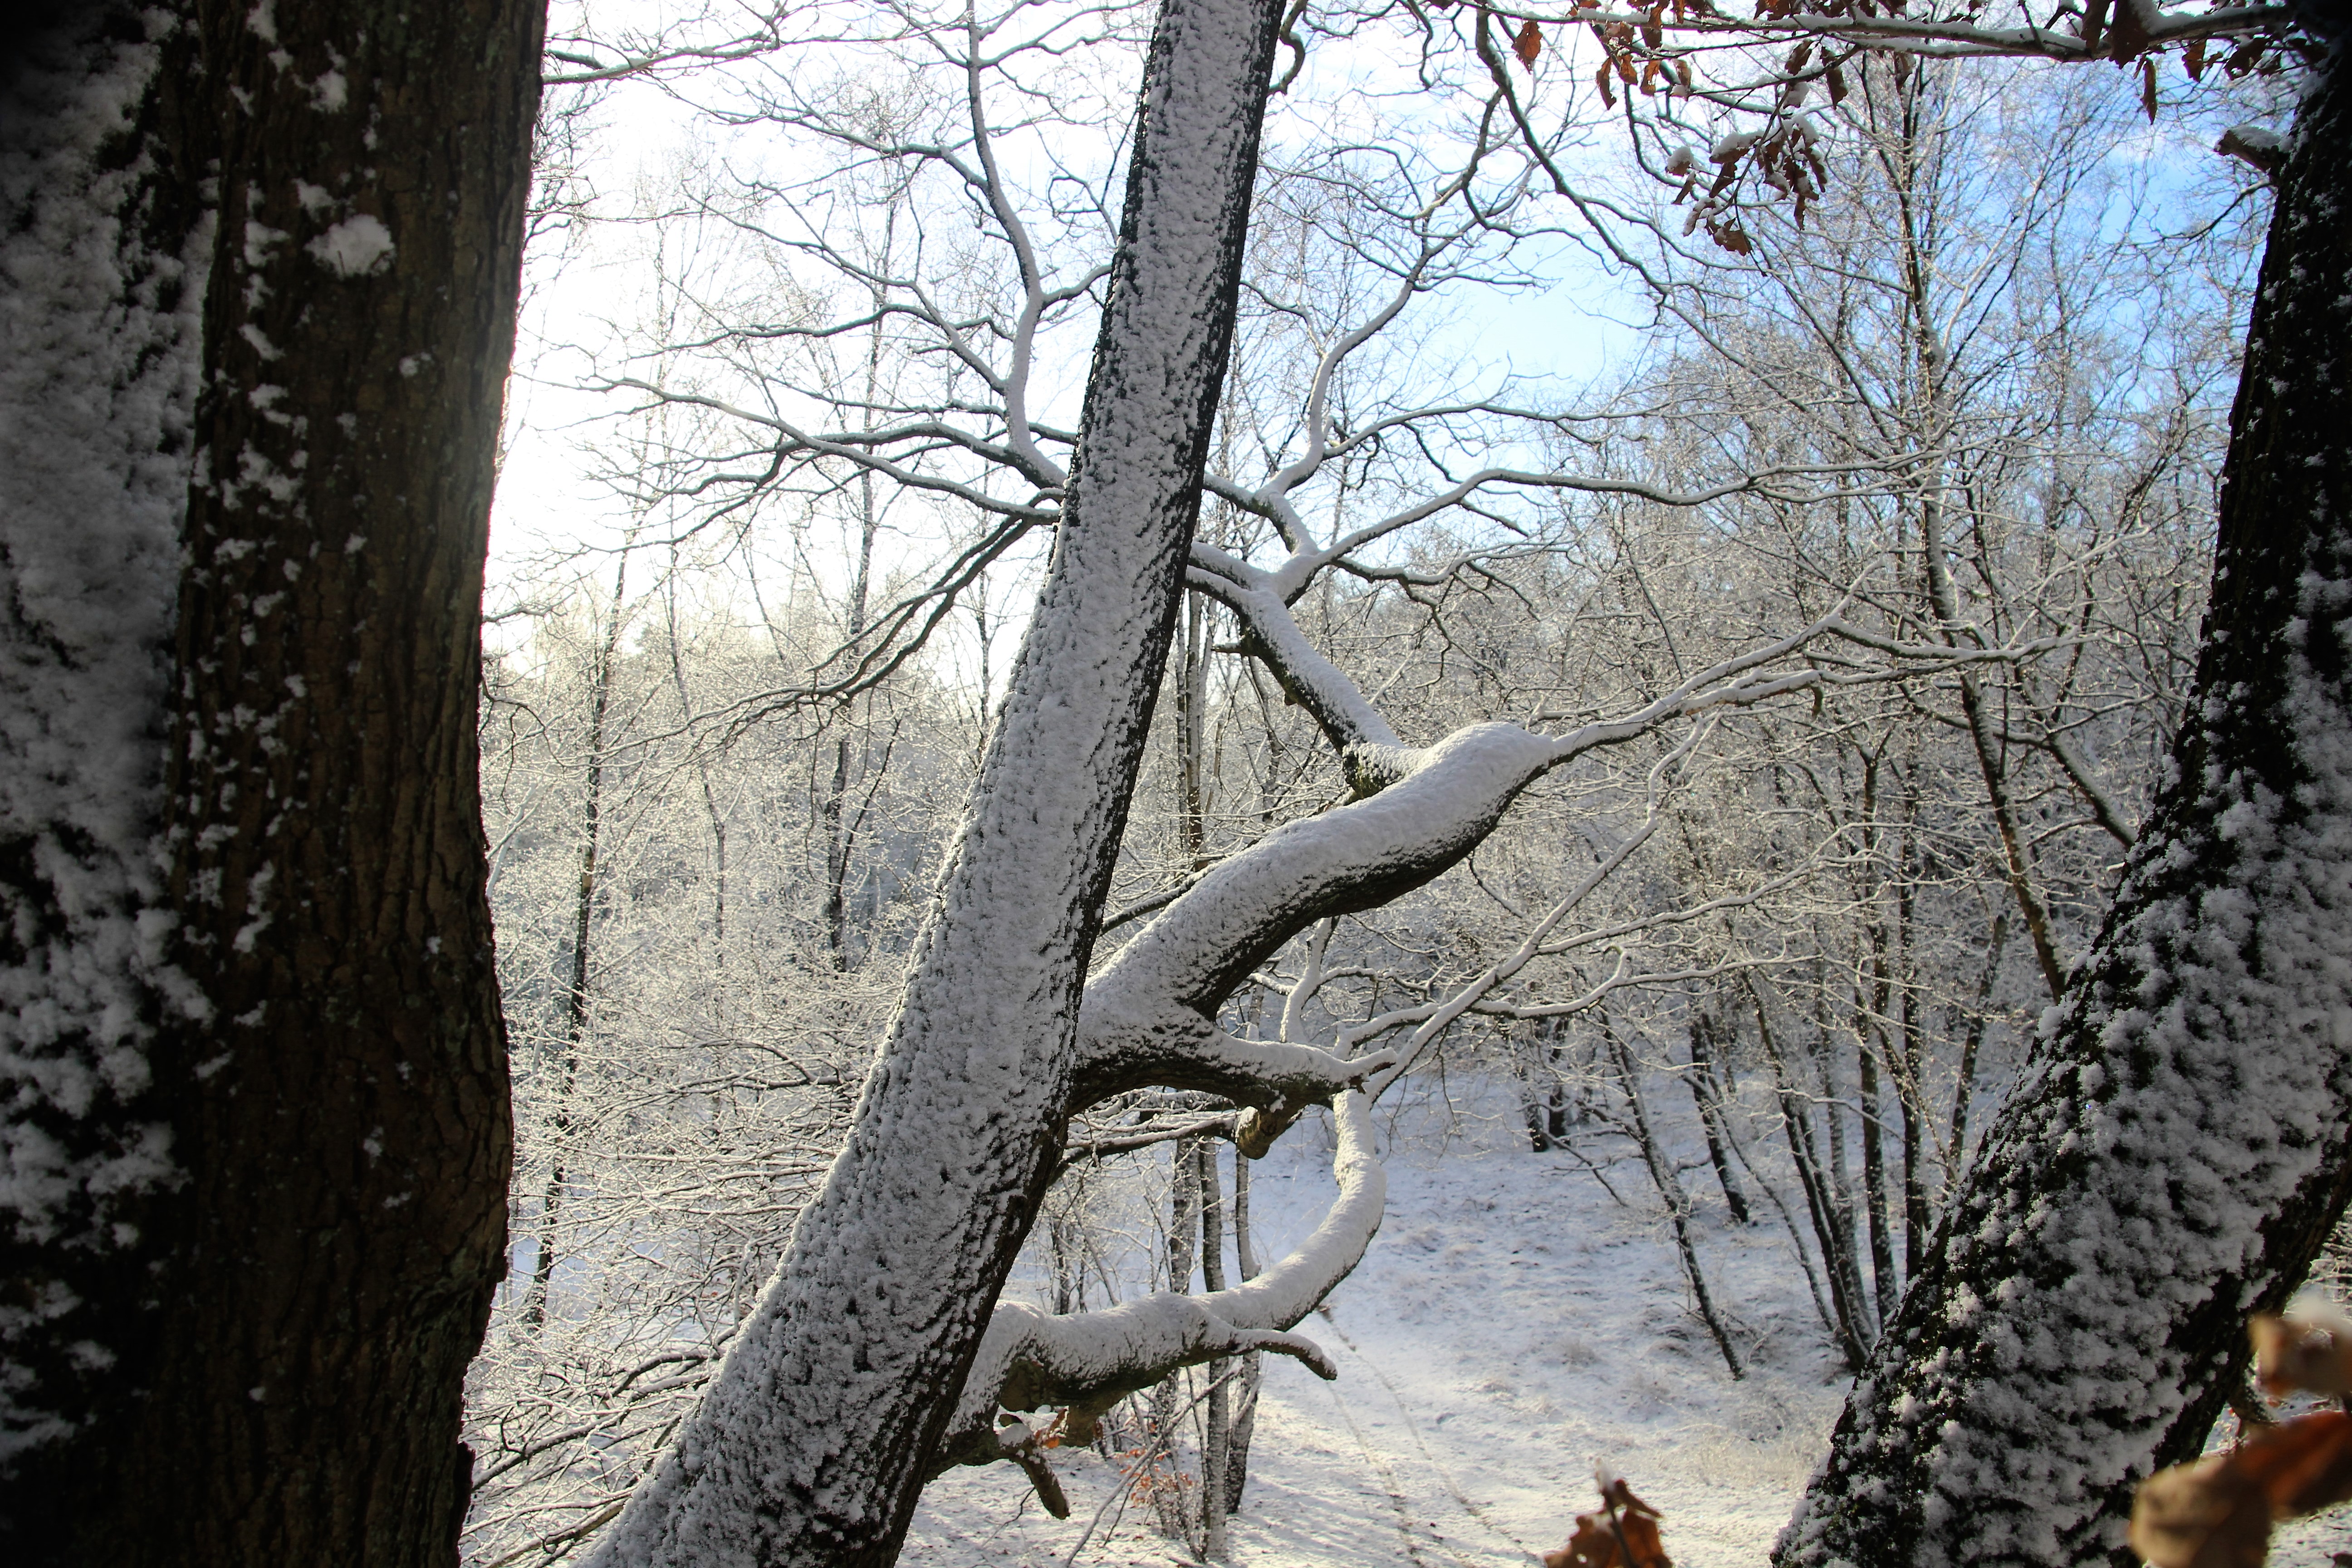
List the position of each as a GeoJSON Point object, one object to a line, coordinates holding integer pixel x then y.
{"type": "Point", "coordinates": [1512, 1325]}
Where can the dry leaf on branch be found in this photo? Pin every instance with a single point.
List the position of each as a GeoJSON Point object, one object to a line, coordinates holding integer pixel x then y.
{"type": "Point", "coordinates": [2311, 1353]}
{"type": "Point", "coordinates": [1528, 45]}
{"type": "Point", "coordinates": [1624, 1534]}
{"type": "Point", "coordinates": [2217, 1512]}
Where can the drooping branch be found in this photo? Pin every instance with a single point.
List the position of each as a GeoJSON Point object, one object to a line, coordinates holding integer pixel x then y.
{"type": "Point", "coordinates": [1354, 727]}
{"type": "Point", "coordinates": [1087, 1362]}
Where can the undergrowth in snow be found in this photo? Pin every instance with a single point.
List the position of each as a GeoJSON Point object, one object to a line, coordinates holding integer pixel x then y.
{"type": "Point", "coordinates": [1513, 1325]}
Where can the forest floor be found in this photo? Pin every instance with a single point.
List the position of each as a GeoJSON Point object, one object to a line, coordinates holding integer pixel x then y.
{"type": "Point", "coordinates": [1513, 1325]}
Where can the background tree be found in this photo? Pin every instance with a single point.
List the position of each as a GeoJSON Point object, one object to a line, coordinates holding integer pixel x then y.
{"type": "Point", "coordinates": [1424, 622]}
{"type": "Point", "coordinates": [2175, 1155]}
{"type": "Point", "coordinates": [960, 1133]}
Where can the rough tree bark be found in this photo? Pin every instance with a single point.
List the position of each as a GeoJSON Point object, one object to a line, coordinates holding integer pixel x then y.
{"type": "Point", "coordinates": [2181, 1142]}
{"type": "Point", "coordinates": [316, 1020]}
{"type": "Point", "coordinates": [102, 260]}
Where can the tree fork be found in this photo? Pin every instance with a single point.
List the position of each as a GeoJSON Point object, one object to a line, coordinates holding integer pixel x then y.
{"type": "Point", "coordinates": [813, 1441]}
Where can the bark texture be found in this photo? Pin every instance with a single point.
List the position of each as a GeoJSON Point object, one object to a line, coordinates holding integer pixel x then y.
{"type": "Point", "coordinates": [812, 1442]}
{"type": "Point", "coordinates": [2181, 1142]}
{"type": "Point", "coordinates": [330, 1058]}
{"type": "Point", "coordinates": [103, 246]}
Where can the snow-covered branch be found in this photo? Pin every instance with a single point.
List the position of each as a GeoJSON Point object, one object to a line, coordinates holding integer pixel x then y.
{"type": "Point", "coordinates": [1086, 1361]}
{"type": "Point", "coordinates": [1177, 1048]}
{"type": "Point", "coordinates": [1355, 857]}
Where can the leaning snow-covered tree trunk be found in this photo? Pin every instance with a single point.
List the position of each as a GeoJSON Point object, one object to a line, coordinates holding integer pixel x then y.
{"type": "Point", "coordinates": [811, 1446]}
{"type": "Point", "coordinates": [2181, 1142]}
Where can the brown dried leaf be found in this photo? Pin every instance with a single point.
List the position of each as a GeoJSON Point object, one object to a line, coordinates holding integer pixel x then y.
{"type": "Point", "coordinates": [1624, 1534]}
{"type": "Point", "coordinates": [2302, 1465]}
{"type": "Point", "coordinates": [2217, 1512]}
{"type": "Point", "coordinates": [2127, 35]}
{"type": "Point", "coordinates": [2301, 1354]}
{"type": "Point", "coordinates": [2202, 1515]}
{"type": "Point", "coordinates": [1601, 77]}
{"type": "Point", "coordinates": [1591, 1547]}
{"type": "Point", "coordinates": [1528, 45]}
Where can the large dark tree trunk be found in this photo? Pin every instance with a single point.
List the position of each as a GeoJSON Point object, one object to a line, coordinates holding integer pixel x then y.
{"type": "Point", "coordinates": [323, 1040]}
{"type": "Point", "coordinates": [2181, 1140]}
{"type": "Point", "coordinates": [816, 1438]}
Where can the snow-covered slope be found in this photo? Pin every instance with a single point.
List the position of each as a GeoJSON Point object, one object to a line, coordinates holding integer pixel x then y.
{"type": "Point", "coordinates": [1512, 1325]}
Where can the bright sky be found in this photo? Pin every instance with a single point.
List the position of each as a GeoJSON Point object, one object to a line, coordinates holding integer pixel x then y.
{"type": "Point", "coordinates": [1571, 330]}
{"type": "Point", "coordinates": [587, 294]}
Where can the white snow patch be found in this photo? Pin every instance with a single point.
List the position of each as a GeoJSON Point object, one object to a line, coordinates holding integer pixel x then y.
{"type": "Point", "coordinates": [359, 247]}
{"type": "Point", "coordinates": [96, 390]}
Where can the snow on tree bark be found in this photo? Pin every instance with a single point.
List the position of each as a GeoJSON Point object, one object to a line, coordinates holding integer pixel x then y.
{"type": "Point", "coordinates": [813, 1442]}
{"type": "Point", "coordinates": [2181, 1142]}
{"type": "Point", "coordinates": [328, 1061]}
{"type": "Point", "coordinates": [102, 256]}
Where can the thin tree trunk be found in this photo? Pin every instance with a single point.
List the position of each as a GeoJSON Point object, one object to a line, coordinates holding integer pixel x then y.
{"type": "Point", "coordinates": [1883, 1289]}
{"type": "Point", "coordinates": [1928, 346]}
{"type": "Point", "coordinates": [1838, 1177]}
{"type": "Point", "coordinates": [1245, 1420]}
{"type": "Point", "coordinates": [1823, 1308]}
{"type": "Point", "coordinates": [840, 841]}
{"type": "Point", "coordinates": [2180, 1145]}
{"type": "Point", "coordinates": [1217, 1417]}
{"type": "Point", "coordinates": [1169, 1499]}
{"type": "Point", "coordinates": [575, 992]}
{"type": "Point", "coordinates": [1853, 1337]}
{"type": "Point", "coordinates": [1869, 1040]}
{"type": "Point", "coordinates": [812, 1444]}
{"type": "Point", "coordinates": [1677, 1202]}
{"type": "Point", "coordinates": [1916, 1217]}
{"type": "Point", "coordinates": [1970, 1043]}
{"type": "Point", "coordinates": [1710, 1115]}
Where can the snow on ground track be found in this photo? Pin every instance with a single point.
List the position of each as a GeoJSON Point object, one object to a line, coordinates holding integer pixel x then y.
{"type": "Point", "coordinates": [1511, 1325]}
